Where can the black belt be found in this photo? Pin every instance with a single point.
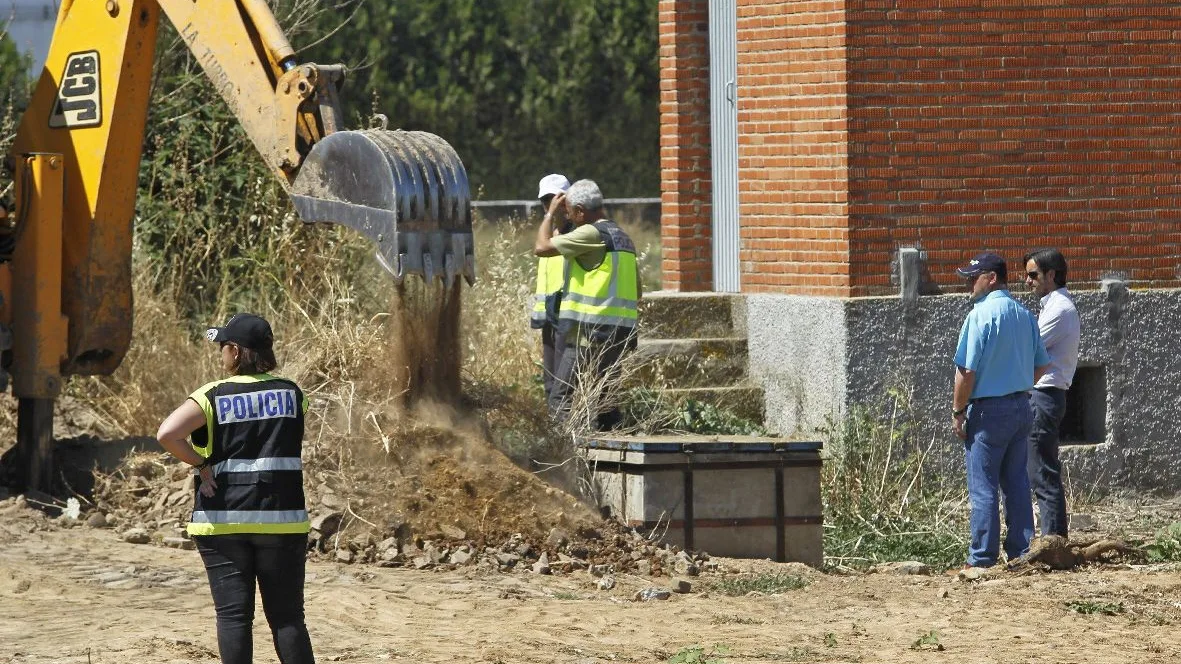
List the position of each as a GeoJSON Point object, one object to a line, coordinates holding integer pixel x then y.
{"type": "Point", "coordinates": [1010, 395]}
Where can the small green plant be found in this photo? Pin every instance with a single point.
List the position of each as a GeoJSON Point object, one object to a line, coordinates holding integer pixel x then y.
{"type": "Point", "coordinates": [696, 654]}
{"type": "Point", "coordinates": [562, 594]}
{"type": "Point", "coordinates": [739, 620]}
{"type": "Point", "coordinates": [767, 584]}
{"type": "Point", "coordinates": [928, 641]}
{"type": "Point", "coordinates": [1167, 545]}
{"type": "Point", "coordinates": [830, 640]}
{"type": "Point", "coordinates": [1089, 607]}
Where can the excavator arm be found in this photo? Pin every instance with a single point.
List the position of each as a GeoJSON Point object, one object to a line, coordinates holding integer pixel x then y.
{"type": "Point", "coordinates": [65, 250]}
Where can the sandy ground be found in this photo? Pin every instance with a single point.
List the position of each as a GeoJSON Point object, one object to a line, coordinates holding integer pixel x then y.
{"type": "Point", "coordinates": [80, 595]}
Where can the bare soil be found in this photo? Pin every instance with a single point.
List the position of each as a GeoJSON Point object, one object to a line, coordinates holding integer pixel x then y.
{"type": "Point", "coordinates": [75, 594]}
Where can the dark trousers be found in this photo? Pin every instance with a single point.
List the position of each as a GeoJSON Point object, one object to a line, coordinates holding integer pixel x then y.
{"type": "Point", "coordinates": [552, 345]}
{"type": "Point", "coordinates": [234, 564]}
{"type": "Point", "coordinates": [597, 367]}
{"type": "Point", "coordinates": [1044, 468]}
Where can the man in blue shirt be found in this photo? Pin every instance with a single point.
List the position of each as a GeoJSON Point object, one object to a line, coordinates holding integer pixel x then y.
{"type": "Point", "coordinates": [999, 357]}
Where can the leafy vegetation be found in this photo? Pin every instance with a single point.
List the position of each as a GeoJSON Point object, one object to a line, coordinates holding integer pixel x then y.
{"type": "Point", "coordinates": [1090, 607]}
{"type": "Point", "coordinates": [521, 88]}
{"type": "Point", "coordinates": [928, 641]}
{"type": "Point", "coordinates": [700, 655]}
{"type": "Point", "coordinates": [1166, 547]}
{"type": "Point", "coordinates": [767, 584]}
{"type": "Point", "coordinates": [881, 501]}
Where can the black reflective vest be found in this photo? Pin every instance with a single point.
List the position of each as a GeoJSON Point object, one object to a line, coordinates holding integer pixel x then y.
{"type": "Point", "coordinates": [253, 436]}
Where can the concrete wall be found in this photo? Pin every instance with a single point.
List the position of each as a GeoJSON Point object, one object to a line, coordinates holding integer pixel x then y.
{"type": "Point", "coordinates": [817, 358]}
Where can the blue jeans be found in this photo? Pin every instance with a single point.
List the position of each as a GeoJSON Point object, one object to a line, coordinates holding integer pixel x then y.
{"type": "Point", "coordinates": [235, 563]}
{"type": "Point", "coordinates": [1045, 470]}
{"type": "Point", "coordinates": [997, 439]}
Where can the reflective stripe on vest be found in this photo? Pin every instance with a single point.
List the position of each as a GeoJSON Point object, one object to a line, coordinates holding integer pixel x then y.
{"type": "Point", "coordinates": [257, 465]}
{"type": "Point", "coordinates": [229, 522]}
{"type": "Point", "coordinates": [550, 275]}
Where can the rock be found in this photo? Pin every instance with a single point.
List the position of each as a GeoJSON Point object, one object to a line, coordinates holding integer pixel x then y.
{"type": "Point", "coordinates": [389, 555]}
{"type": "Point", "coordinates": [136, 536]}
{"type": "Point", "coordinates": [943, 593]}
{"type": "Point", "coordinates": [902, 568]}
{"type": "Point", "coordinates": [972, 574]}
{"type": "Point", "coordinates": [97, 520]}
{"type": "Point", "coordinates": [387, 544]}
{"type": "Point", "coordinates": [557, 538]}
{"type": "Point", "coordinates": [542, 565]}
{"type": "Point", "coordinates": [644, 568]}
{"type": "Point", "coordinates": [649, 594]}
{"type": "Point", "coordinates": [451, 532]}
{"type": "Point", "coordinates": [600, 570]}
{"type": "Point", "coordinates": [327, 523]}
{"type": "Point", "coordinates": [332, 501]}
{"type": "Point", "coordinates": [1082, 522]}
{"type": "Point", "coordinates": [685, 567]}
{"type": "Point", "coordinates": [682, 586]}
{"type": "Point", "coordinates": [507, 560]}
{"type": "Point", "coordinates": [179, 543]}
{"type": "Point", "coordinates": [344, 555]}
{"type": "Point", "coordinates": [422, 562]}
{"type": "Point", "coordinates": [461, 557]}
{"type": "Point", "coordinates": [607, 583]}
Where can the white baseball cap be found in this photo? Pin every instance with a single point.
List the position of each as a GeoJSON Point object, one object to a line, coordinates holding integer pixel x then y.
{"type": "Point", "coordinates": [554, 183]}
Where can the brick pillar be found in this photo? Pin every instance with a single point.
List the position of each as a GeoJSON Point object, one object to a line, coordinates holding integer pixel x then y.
{"type": "Point", "coordinates": [686, 193]}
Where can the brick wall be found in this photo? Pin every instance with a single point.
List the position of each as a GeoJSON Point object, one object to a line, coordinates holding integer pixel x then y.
{"type": "Point", "coordinates": [685, 145]}
{"type": "Point", "coordinates": [1009, 126]}
{"type": "Point", "coordinates": [793, 145]}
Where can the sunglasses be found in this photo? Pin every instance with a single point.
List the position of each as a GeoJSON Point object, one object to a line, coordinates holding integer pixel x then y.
{"type": "Point", "coordinates": [1035, 275]}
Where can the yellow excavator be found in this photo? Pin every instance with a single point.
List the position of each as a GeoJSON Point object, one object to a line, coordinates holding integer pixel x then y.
{"type": "Point", "coordinates": [65, 249]}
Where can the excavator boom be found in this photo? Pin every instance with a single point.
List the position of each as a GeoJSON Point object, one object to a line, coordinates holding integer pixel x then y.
{"type": "Point", "coordinates": [65, 252]}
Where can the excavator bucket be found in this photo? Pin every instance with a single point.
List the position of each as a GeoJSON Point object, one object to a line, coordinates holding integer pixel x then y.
{"type": "Point", "coordinates": [405, 190]}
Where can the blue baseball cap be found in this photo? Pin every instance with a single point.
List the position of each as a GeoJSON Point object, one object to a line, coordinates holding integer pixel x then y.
{"type": "Point", "coordinates": [985, 262]}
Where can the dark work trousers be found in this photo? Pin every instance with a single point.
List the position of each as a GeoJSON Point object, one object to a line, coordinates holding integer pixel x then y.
{"type": "Point", "coordinates": [552, 345]}
{"type": "Point", "coordinates": [1044, 468]}
{"type": "Point", "coordinates": [596, 366]}
{"type": "Point", "coordinates": [234, 563]}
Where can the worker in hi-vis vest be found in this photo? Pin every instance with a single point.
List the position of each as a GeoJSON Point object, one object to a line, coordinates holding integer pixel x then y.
{"type": "Point", "coordinates": [600, 293]}
{"type": "Point", "coordinates": [547, 294]}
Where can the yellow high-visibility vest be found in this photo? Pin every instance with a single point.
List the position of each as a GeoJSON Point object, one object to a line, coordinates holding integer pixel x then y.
{"type": "Point", "coordinates": [602, 301]}
{"type": "Point", "coordinates": [550, 275]}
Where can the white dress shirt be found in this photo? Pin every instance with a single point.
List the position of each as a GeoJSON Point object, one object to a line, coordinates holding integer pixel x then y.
{"type": "Point", "coordinates": [1059, 325]}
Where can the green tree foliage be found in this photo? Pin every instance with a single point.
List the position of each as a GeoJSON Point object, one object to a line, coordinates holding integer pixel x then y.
{"type": "Point", "coordinates": [520, 88]}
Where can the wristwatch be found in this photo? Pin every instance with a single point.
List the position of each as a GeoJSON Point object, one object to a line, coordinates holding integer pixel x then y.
{"type": "Point", "coordinates": [957, 413]}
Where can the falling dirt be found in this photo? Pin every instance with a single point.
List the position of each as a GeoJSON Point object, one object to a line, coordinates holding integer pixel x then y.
{"type": "Point", "coordinates": [424, 349]}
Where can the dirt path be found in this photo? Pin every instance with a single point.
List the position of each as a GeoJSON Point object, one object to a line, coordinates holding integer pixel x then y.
{"type": "Point", "coordinates": [79, 595]}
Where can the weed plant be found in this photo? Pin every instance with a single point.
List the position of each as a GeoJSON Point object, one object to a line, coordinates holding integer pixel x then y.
{"type": "Point", "coordinates": [768, 584]}
{"type": "Point", "coordinates": [884, 499]}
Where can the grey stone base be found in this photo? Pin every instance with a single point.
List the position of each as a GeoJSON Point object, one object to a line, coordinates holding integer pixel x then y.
{"type": "Point", "coordinates": [817, 358]}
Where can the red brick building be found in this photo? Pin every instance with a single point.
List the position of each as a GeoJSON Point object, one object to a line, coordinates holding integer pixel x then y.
{"type": "Point", "coordinates": [953, 125]}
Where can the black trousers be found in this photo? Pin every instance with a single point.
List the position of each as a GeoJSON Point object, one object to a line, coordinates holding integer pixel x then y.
{"type": "Point", "coordinates": [552, 345]}
{"type": "Point", "coordinates": [234, 564]}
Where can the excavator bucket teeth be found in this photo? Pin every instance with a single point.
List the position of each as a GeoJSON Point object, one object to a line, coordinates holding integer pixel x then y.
{"type": "Point", "coordinates": [405, 190]}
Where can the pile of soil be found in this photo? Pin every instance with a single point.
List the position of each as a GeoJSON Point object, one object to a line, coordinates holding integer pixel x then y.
{"type": "Point", "coordinates": [430, 495]}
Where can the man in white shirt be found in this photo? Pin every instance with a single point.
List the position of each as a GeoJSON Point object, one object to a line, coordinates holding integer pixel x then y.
{"type": "Point", "coordinates": [1058, 322]}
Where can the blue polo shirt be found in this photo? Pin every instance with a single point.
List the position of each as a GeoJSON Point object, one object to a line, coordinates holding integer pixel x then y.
{"type": "Point", "coordinates": [1001, 343]}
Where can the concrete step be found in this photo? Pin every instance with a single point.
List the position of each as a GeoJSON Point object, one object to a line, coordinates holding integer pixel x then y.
{"type": "Point", "coordinates": [745, 401]}
{"type": "Point", "coordinates": [673, 315]}
{"type": "Point", "coordinates": [686, 363]}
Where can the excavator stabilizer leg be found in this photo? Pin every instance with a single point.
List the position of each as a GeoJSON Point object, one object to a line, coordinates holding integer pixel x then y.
{"type": "Point", "coordinates": [405, 190]}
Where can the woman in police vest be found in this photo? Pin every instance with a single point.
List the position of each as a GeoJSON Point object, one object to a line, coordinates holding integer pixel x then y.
{"type": "Point", "coordinates": [249, 519]}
